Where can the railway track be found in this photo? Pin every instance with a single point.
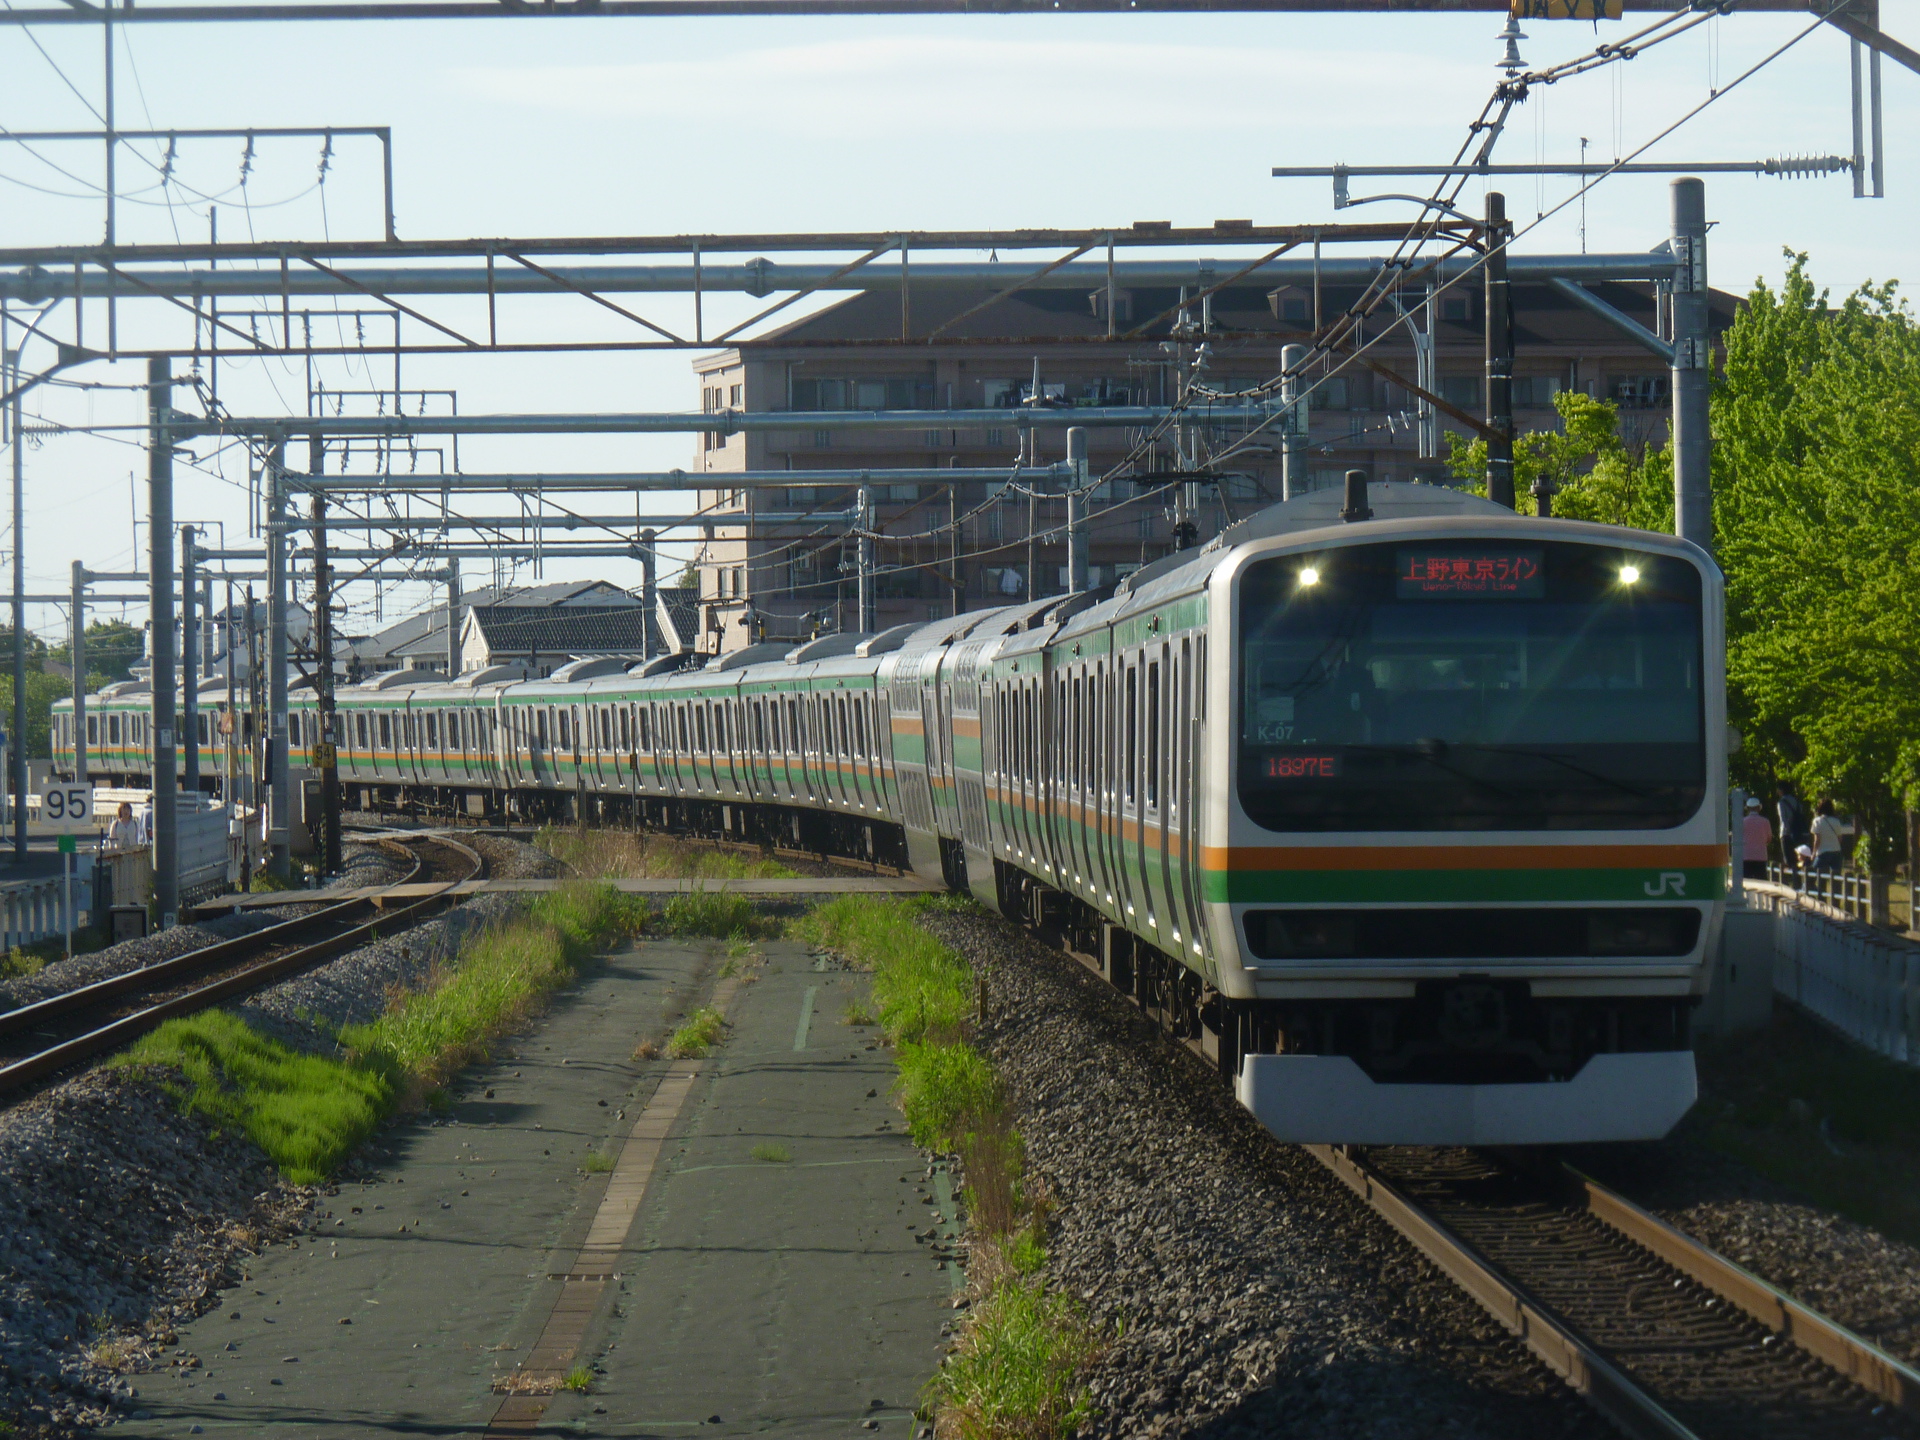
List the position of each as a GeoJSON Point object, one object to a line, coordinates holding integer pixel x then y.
{"type": "Point", "coordinates": [1666, 1338]}
{"type": "Point", "coordinates": [55, 1034]}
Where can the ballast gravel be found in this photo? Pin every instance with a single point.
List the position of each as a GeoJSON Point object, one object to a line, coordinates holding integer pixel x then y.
{"type": "Point", "coordinates": [120, 1217]}
{"type": "Point", "coordinates": [1250, 1292]}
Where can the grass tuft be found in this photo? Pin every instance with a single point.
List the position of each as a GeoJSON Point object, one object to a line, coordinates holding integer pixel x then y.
{"type": "Point", "coordinates": [699, 1035]}
{"type": "Point", "coordinates": [621, 855]}
{"type": "Point", "coordinates": [857, 1013]}
{"type": "Point", "coordinates": [308, 1111]}
{"type": "Point", "coordinates": [578, 1379]}
{"type": "Point", "coordinates": [715, 913]}
{"type": "Point", "coordinates": [1016, 1372]}
{"type": "Point", "coordinates": [597, 1162]}
{"type": "Point", "coordinates": [772, 1154]}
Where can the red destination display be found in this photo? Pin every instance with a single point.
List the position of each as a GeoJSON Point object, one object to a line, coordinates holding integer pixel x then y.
{"type": "Point", "coordinates": [1303, 767]}
{"type": "Point", "coordinates": [1508, 573]}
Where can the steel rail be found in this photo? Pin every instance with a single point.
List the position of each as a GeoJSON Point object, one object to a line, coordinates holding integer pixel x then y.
{"type": "Point", "coordinates": [1555, 1342]}
{"type": "Point", "coordinates": [1855, 1357]}
{"type": "Point", "coordinates": [130, 1027]}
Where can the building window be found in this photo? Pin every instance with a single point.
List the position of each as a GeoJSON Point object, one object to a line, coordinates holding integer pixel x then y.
{"type": "Point", "coordinates": [996, 437]}
{"type": "Point", "coordinates": [1460, 390]}
{"type": "Point", "coordinates": [1640, 392]}
{"type": "Point", "coordinates": [823, 439]}
{"type": "Point", "coordinates": [1457, 308]}
{"type": "Point", "coordinates": [1535, 391]}
{"type": "Point", "coordinates": [734, 394]}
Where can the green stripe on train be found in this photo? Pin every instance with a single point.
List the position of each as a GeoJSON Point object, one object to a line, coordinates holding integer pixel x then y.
{"type": "Point", "coordinates": [1350, 887]}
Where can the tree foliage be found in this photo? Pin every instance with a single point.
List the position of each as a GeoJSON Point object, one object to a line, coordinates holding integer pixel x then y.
{"type": "Point", "coordinates": [1816, 471]}
{"type": "Point", "coordinates": [1592, 473]}
{"type": "Point", "coordinates": [112, 647]}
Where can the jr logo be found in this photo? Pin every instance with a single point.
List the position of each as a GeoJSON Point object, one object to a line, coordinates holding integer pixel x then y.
{"type": "Point", "coordinates": [1671, 882]}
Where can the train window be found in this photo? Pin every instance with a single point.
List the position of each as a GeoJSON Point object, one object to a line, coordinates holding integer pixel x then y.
{"type": "Point", "coordinates": [293, 729]}
{"type": "Point", "coordinates": [386, 732]}
{"type": "Point", "coordinates": [360, 730]}
{"type": "Point", "coordinates": [432, 730]}
{"type": "Point", "coordinates": [565, 736]}
{"type": "Point", "coordinates": [626, 730]}
{"type": "Point", "coordinates": [700, 728]}
{"type": "Point", "coordinates": [1472, 688]}
{"type": "Point", "coordinates": [1130, 754]}
{"type": "Point", "coordinates": [93, 729]}
{"type": "Point", "coordinates": [1153, 736]}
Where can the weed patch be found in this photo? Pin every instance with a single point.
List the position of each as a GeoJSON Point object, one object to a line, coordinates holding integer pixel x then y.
{"type": "Point", "coordinates": [307, 1111]}
{"type": "Point", "coordinates": [621, 855]}
{"type": "Point", "coordinates": [857, 1013]}
{"type": "Point", "coordinates": [715, 913]}
{"type": "Point", "coordinates": [578, 1379]}
{"type": "Point", "coordinates": [699, 1035]}
{"type": "Point", "coordinates": [597, 1162]}
{"type": "Point", "coordinates": [1017, 1370]}
{"type": "Point", "coordinates": [1016, 1374]}
{"type": "Point", "coordinates": [772, 1154]}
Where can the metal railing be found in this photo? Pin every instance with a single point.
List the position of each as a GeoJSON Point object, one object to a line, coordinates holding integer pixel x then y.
{"type": "Point", "coordinates": [1850, 894]}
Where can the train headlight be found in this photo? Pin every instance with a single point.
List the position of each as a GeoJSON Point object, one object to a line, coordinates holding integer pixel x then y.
{"type": "Point", "coordinates": [1308, 576]}
{"type": "Point", "coordinates": [1629, 574]}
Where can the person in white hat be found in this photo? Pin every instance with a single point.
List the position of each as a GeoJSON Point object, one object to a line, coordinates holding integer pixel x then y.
{"type": "Point", "coordinates": [1755, 835]}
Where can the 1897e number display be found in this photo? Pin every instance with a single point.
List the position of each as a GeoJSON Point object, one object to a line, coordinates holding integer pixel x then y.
{"type": "Point", "coordinates": [1516, 573]}
{"type": "Point", "coordinates": [1303, 767]}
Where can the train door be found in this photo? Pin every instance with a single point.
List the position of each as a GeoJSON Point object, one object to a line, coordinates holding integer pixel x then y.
{"type": "Point", "coordinates": [1159, 760]}
{"type": "Point", "coordinates": [1181, 735]}
{"type": "Point", "coordinates": [1133, 831]}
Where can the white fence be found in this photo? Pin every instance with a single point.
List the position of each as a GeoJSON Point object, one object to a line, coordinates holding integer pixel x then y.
{"type": "Point", "coordinates": [1863, 982]}
{"type": "Point", "coordinates": [33, 910]}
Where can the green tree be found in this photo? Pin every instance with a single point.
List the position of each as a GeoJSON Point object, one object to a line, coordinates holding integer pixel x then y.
{"type": "Point", "coordinates": [1591, 472]}
{"type": "Point", "coordinates": [112, 647]}
{"type": "Point", "coordinates": [1816, 471]}
{"type": "Point", "coordinates": [42, 691]}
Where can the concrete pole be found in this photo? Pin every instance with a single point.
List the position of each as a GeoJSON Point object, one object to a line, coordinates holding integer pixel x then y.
{"type": "Point", "coordinates": [1077, 511]}
{"type": "Point", "coordinates": [189, 663]}
{"type": "Point", "coordinates": [166, 850]}
{"type": "Point", "coordinates": [453, 617]}
{"type": "Point", "coordinates": [19, 722]}
{"type": "Point", "coordinates": [278, 805]}
{"type": "Point", "coordinates": [78, 606]}
{"type": "Point", "coordinates": [863, 562]}
{"type": "Point", "coordinates": [326, 752]}
{"type": "Point", "coordinates": [649, 592]}
{"type": "Point", "coordinates": [1499, 349]}
{"type": "Point", "coordinates": [1293, 436]}
{"type": "Point", "coordinates": [1692, 444]}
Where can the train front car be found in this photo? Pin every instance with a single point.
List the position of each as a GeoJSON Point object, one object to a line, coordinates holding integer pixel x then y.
{"type": "Point", "coordinates": [1473, 851]}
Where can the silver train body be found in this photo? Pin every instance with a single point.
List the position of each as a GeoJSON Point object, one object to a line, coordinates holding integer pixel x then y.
{"type": "Point", "coordinates": [1415, 827]}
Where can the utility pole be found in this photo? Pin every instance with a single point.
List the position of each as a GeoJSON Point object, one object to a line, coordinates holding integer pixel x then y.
{"type": "Point", "coordinates": [18, 753]}
{"type": "Point", "coordinates": [1499, 347]}
{"type": "Point", "coordinates": [1692, 442]}
{"type": "Point", "coordinates": [1293, 434]}
{"type": "Point", "coordinates": [863, 563]}
{"type": "Point", "coordinates": [326, 752]}
{"type": "Point", "coordinates": [649, 592]}
{"type": "Point", "coordinates": [166, 819]}
{"type": "Point", "coordinates": [78, 606]}
{"type": "Point", "coordinates": [1077, 511]}
{"type": "Point", "coordinates": [252, 728]}
{"type": "Point", "coordinates": [279, 796]}
{"type": "Point", "coordinates": [189, 664]}
{"type": "Point", "coordinates": [453, 617]}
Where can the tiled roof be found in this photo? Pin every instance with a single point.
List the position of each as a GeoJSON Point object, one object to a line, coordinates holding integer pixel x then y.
{"type": "Point", "coordinates": [563, 630]}
{"type": "Point", "coordinates": [425, 631]}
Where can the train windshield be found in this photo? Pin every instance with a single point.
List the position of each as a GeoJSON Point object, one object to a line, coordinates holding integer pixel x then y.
{"type": "Point", "coordinates": [1471, 686]}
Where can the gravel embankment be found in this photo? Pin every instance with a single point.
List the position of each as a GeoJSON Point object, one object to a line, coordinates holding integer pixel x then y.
{"type": "Point", "coordinates": [119, 1216]}
{"type": "Point", "coordinates": [363, 866]}
{"type": "Point", "coordinates": [1846, 1271]}
{"type": "Point", "coordinates": [1258, 1295]}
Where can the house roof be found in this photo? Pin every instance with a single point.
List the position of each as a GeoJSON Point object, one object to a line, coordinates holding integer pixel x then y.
{"type": "Point", "coordinates": [563, 630]}
{"type": "Point", "coordinates": [425, 631]}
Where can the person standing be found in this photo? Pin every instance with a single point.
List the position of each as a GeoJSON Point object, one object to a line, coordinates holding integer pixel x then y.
{"type": "Point", "coordinates": [1794, 831]}
{"type": "Point", "coordinates": [1755, 834]}
{"type": "Point", "coordinates": [124, 834]}
{"type": "Point", "coordinates": [1827, 835]}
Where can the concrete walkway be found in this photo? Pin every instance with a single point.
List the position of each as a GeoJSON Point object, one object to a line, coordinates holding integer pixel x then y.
{"type": "Point", "coordinates": [784, 1297]}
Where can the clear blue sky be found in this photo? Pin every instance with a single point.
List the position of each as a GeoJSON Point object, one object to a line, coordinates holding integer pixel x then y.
{"type": "Point", "coordinates": [606, 127]}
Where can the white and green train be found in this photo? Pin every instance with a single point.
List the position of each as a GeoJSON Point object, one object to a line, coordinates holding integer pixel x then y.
{"type": "Point", "coordinates": [1414, 824]}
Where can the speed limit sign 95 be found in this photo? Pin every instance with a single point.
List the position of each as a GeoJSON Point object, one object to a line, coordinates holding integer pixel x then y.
{"type": "Point", "coordinates": [66, 806]}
